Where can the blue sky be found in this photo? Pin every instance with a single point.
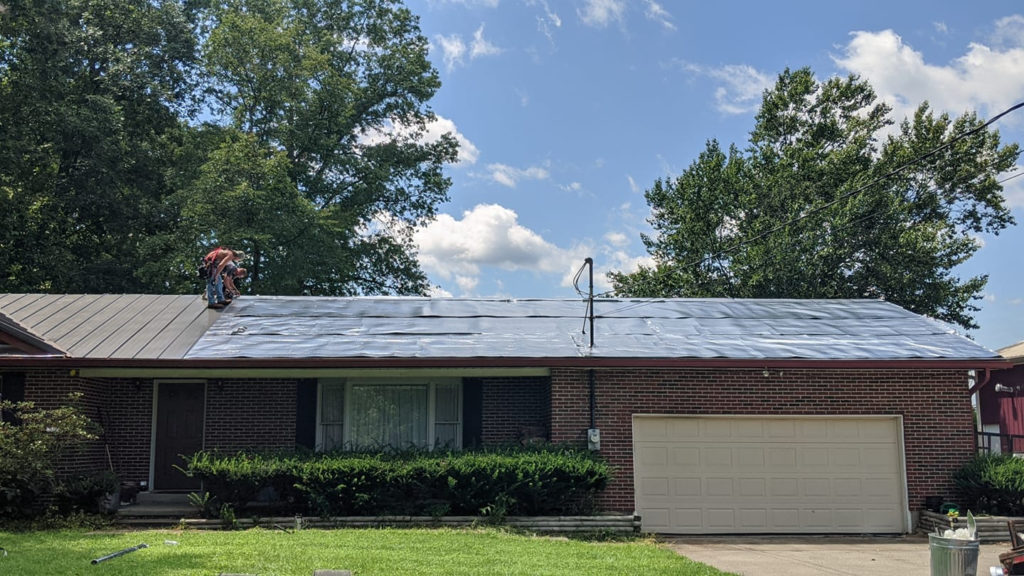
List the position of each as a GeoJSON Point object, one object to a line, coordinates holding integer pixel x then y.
{"type": "Point", "coordinates": [568, 110]}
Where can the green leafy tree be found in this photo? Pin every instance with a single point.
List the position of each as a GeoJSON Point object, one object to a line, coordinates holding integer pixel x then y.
{"type": "Point", "coordinates": [90, 92]}
{"type": "Point", "coordinates": [32, 442]}
{"type": "Point", "coordinates": [327, 167]}
{"type": "Point", "coordinates": [817, 207]}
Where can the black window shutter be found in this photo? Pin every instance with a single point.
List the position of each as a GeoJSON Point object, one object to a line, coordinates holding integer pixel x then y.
{"type": "Point", "coordinates": [12, 389]}
{"type": "Point", "coordinates": [305, 413]}
{"type": "Point", "coordinates": [472, 413]}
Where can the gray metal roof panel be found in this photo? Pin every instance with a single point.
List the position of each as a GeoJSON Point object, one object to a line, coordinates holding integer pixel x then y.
{"type": "Point", "coordinates": [112, 326]}
{"type": "Point", "coordinates": [391, 327]}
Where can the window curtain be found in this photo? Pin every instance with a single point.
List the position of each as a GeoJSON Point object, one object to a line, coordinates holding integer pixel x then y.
{"type": "Point", "coordinates": [332, 415]}
{"type": "Point", "coordinates": [447, 416]}
{"type": "Point", "coordinates": [388, 416]}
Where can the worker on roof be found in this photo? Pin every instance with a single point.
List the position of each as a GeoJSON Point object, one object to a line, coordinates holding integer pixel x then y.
{"type": "Point", "coordinates": [216, 261]}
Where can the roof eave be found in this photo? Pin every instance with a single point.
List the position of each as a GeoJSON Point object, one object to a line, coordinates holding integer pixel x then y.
{"type": "Point", "coordinates": [491, 362]}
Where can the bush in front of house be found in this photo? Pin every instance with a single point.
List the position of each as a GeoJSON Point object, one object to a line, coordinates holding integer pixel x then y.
{"type": "Point", "coordinates": [992, 484]}
{"type": "Point", "coordinates": [500, 482]}
{"type": "Point", "coordinates": [32, 440]}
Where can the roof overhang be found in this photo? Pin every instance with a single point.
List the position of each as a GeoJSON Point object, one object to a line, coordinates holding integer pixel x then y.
{"type": "Point", "coordinates": [470, 367]}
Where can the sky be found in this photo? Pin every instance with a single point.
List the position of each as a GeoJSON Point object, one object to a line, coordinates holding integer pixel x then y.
{"type": "Point", "coordinates": [568, 110]}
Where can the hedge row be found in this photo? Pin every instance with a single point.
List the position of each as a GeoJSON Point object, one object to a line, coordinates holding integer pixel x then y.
{"type": "Point", "coordinates": [528, 482]}
{"type": "Point", "coordinates": [992, 484]}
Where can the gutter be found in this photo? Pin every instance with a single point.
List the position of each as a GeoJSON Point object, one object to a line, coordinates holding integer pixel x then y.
{"type": "Point", "coordinates": [496, 362]}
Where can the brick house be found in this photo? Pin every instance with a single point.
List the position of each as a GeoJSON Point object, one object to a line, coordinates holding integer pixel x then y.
{"type": "Point", "coordinates": [718, 415]}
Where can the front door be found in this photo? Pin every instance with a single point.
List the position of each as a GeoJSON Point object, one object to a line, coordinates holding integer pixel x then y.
{"type": "Point", "coordinates": [179, 430]}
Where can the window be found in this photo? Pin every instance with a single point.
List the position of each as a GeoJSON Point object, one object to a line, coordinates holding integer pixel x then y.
{"type": "Point", "coordinates": [12, 389]}
{"type": "Point", "coordinates": [389, 413]}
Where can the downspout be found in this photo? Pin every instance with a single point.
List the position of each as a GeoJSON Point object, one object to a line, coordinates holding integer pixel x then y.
{"type": "Point", "coordinates": [593, 400]}
{"type": "Point", "coordinates": [983, 382]}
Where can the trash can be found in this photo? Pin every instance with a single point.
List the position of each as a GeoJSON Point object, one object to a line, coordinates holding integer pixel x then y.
{"type": "Point", "coordinates": [953, 557]}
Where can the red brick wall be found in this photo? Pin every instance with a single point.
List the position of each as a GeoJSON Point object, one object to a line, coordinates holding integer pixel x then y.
{"type": "Point", "coordinates": [515, 409]}
{"type": "Point", "coordinates": [937, 416]}
{"type": "Point", "coordinates": [250, 413]}
{"type": "Point", "coordinates": [128, 422]}
{"type": "Point", "coordinates": [50, 389]}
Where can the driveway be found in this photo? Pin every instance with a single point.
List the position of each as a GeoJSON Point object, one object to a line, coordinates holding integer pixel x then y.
{"type": "Point", "coordinates": [820, 555]}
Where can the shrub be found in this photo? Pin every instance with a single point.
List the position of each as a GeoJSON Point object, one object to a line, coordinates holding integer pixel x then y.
{"type": "Point", "coordinates": [85, 493]}
{"type": "Point", "coordinates": [521, 481]}
{"type": "Point", "coordinates": [32, 440]}
{"type": "Point", "coordinates": [992, 484]}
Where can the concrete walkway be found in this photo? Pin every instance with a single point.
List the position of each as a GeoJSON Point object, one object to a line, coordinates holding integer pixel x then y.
{"type": "Point", "coordinates": [820, 555]}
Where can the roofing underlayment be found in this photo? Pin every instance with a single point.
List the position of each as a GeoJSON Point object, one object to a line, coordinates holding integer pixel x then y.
{"type": "Point", "coordinates": [144, 327]}
{"type": "Point", "coordinates": [305, 327]}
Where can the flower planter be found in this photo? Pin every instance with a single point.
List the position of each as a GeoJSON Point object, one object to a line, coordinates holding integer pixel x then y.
{"type": "Point", "coordinates": [990, 528]}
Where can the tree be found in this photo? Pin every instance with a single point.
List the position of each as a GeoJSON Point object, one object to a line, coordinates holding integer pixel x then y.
{"type": "Point", "coordinates": [325, 105]}
{"type": "Point", "coordinates": [90, 91]}
{"type": "Point", "coordinates": [815, 208]}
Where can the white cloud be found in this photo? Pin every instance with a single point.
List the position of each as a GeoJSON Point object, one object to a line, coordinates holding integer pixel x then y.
{"type": "Point", "coordinates": [487, 235]}
{"type": "Point", "coordinates": [438, 292]}
{"type": "Point", "coordinates": [466, 283]}
{"type": "Point", "coordinates": [480, 46]}
{"type": "Point", "coordinates": [572, 187]}
{"type": "Point", "coordinates": [658, 14]}
{"type": "Point", "coordinates": [1009, 32]}
{"type": "Point", "coordinates": [739, 89]}
{"type": "Point", "coordinates": [617, 239]}
{"type": "Point", "coordinates": [509, 176]}
{"type": "Point", "coordinates": [984, 79]}
{"type": "Point", "coordinates": [633, 187]}
{"type": "Point", "coordinates": [491, 236]}
{"type": "Point", "coordinates": [453, 49]}
{"type": "Point", "coordinates": [468, 152]}
{"type": "Point", "coordinates": [547, 21]}
{"type": "Point", "coordinates": [940, 27]}
{"type": "Point", "coordinates": [601, 13]}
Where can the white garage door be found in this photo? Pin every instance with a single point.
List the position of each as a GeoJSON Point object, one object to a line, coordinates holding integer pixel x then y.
{"type": "Point", "coordinates": [739, 475]}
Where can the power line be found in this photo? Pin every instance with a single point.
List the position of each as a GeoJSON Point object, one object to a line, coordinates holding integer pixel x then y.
{"type": "Point", "coordinates": [856, 191]}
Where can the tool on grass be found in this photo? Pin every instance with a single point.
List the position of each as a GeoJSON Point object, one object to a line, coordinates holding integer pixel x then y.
{"type": "Point", "coordinates": [120, 553]}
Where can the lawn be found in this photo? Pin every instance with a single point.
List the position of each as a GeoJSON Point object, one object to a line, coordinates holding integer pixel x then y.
{"type": "Point", "coordinates": [364, 552]}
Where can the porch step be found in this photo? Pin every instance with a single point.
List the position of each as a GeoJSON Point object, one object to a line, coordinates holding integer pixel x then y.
{"type": "Point", "coordinates": [153, 505]}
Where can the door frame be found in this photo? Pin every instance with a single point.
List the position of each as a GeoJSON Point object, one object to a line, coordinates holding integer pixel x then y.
{"type": "Point", "coordinates": [153, 425]}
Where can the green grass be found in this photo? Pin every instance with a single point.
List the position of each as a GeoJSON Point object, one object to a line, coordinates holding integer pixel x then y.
{"type": "Point", "coordinates": [364, 552]}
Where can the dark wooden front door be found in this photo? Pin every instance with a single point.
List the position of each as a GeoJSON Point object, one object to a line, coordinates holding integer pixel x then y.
{"type": "Point", "coordinates": [179, 430]}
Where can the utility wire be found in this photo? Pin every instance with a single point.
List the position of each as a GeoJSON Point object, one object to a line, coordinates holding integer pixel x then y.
{"type": "Point", "coordinates": [856, 191]}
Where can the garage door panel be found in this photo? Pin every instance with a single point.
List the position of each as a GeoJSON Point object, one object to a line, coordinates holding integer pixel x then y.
{"type": "Point", "coordinates": [769, 475]}
{"type": "Point", "coordinates": [714, 458]}
{"type": "Point", "coordinates": [748, 458]}
{"type": "Point", "coordinates": [686, 458]}
{"type": "Point", "coordinates": [684, 429]}
{"type": "Point", "coordinates": [782, 487]}
{"type": "Point", "coordinates": [653, 455]}
{"type": "Point", "coordinates": [654, 487]}
{"type": "Point", "coordinates": [687, 487]}
{"type": "Point", "coordinates": [779, 458]}
{"type": "Point", "coordinates": [752, 487]}
{"type": "Point", "coordinates": [718, 486]}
